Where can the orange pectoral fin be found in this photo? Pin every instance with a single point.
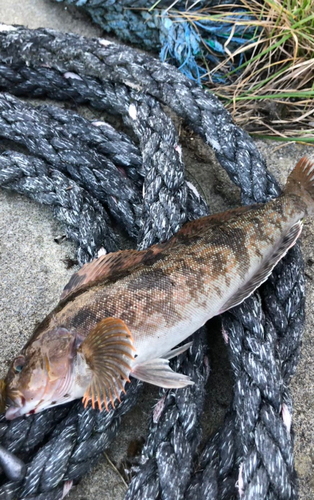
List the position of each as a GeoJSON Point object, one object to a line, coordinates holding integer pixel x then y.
{"type": "Point", "coordinates": [109, 353]}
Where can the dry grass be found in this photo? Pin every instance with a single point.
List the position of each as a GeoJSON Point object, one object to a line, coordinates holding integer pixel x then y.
{"type": "Point", "coordinates": [273, 94]}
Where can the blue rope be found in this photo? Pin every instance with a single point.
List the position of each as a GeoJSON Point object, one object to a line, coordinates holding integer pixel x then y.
{"type": "Point", "coordinates": [192, 47]}
{"type": "Point", "coordinates": [185, 47]}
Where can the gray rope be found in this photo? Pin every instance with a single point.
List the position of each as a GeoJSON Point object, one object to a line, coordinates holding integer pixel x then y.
{"type": "Point", "coordinates": [261, 444]}
{"type": "Point", "coordinates": [78, 438]}
{"type": "Point", "coordinates": [108, 63]}
{"type": "Point", "coordinates": [86, 221]}
{"type": "Point", "coordinates": [52, 142]}
{"type": "Point", "coordinates": [218, 469]}
{"type": "Point", "coordinates": [194, 47]}
{"type": "Point", "coordinates": [174, 433]}
{"type": "Point", "coordinates": [47, 82]}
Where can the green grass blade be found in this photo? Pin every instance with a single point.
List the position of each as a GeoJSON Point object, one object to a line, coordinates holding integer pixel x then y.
{"type": "Point", "coordinates": [282, 41]}
{"type": "Point", "coordinates": [280, 95]}
{"type": "Point", "coordinates": [304, 140]}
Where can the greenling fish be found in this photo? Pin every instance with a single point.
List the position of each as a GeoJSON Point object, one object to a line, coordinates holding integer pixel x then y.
{"type": "Point", "coordinates": [124, 313]}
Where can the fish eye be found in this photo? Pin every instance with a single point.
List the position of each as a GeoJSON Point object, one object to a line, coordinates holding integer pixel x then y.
{"type": "Point", "coordinates": [18, 364]}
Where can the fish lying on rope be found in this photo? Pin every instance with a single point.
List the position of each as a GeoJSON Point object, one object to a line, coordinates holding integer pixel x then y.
{"type": "Point", "coordinates": [124, 314]}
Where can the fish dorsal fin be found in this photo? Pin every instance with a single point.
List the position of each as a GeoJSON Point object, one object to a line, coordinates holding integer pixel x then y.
{"type": "Point", "coordinates": [115, 265]}
{"type": "Point", "coordinates": [286, 242]}
{"type": "Point", "coordinates": [109, 352]}
{"type": "Point", "coordinates": [197, 226]}
{"type": "Point", "coordinates": [112, 265]}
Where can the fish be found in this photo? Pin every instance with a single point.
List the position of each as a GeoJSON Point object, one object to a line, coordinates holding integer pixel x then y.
{"type": "Point", "coordinates": [124, 314]}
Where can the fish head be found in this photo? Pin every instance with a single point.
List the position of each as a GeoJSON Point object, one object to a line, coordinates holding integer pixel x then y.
{"type": "Point", "coordinates": [59, 366]}
{"type": "Point", "coordinates": [42, 375]}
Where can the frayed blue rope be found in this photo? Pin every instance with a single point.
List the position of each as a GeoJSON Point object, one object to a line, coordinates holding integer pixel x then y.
{"type": "Point", "coordinates": [185, 47]}
{"type": "Point", "coordinates": [180, 42]}
{"type": "Point", "coordinates": [181, 45]}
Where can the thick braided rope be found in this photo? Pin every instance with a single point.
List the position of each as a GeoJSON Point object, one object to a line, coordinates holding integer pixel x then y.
{"type": "Point", "coordinates": [132, 21]}
{"type": "Point", "coordinates": [109, 62]}
{"type": "Point", "coordinates": [254, 448]}
{"type": "Point", "coordinates": [85, 219]}
{"type": "Point", "coordinates": [48, 138]}
{"type": "Point", "coordinates": [174, 433]}
{"type": "Point", "coordinates": [48, 82]}
{"type": "Point", "coordinates": [164, 26]}
{"type": "Point", "coordinates": [78, 438]}
{"type": "Point", "coordinates": [46, 131]}
{"type": "Point", "coordinates": [127, 20]}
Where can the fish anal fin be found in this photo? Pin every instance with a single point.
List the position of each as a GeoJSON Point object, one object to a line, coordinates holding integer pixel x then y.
{"type": "Point", "coordinates": [287, 241]}
{"type": "Point", "coordinates": [108, 351]}
{"type": "Point", "coordinates": [158, 372]}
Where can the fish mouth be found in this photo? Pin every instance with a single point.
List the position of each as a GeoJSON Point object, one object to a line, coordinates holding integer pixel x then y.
{"type": "Point", "coordinates": [13, 412]}
{"type": "Point", "coordinates": [16, 407]}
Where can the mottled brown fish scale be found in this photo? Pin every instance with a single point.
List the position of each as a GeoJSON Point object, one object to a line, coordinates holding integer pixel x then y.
{"type": "Point", "coordinates": [157, 279]}
{"type": "Point", "coordinates": [230, 268]}
{"type": "Point", "coordinates": [83, 318]}
{"type": "Point", "coordinates": [264, 231]}
{"type": "Point", "coordinates": [136, 305]}
{"type": "Point", "coordinates": [219, 262]}
{"type": "Point", "coordinates": [231, 240]}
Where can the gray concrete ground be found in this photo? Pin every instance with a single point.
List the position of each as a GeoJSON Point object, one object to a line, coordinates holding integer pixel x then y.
{"type": "Point", "coordinates": [33, 274]}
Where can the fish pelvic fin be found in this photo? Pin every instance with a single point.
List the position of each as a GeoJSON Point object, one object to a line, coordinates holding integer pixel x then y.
{"type": "Point", "coordinates": [176, 352]}
{"type": "Point", "coordinates": [109, 352]}
{"type": "Point", "coordinates": [301, 183]}
{"type": "Point", "coordinates": [158, 372]}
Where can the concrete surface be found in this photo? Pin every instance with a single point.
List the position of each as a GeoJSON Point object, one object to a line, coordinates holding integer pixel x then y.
{"type": "Point", "coordinates": [33, 274]}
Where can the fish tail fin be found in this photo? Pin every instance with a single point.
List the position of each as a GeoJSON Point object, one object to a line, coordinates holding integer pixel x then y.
{"type": "Point", "coordinates": [301, 183]}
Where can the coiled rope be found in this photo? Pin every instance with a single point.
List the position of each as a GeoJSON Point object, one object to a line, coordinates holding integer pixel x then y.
{"type": "Point", "coordinates": [251, 455]}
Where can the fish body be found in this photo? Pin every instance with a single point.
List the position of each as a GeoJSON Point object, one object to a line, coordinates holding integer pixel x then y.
{"type": "Point", "coordinates": [187, 282]}
{"type": "Point", "coordinates": [123, 314]}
